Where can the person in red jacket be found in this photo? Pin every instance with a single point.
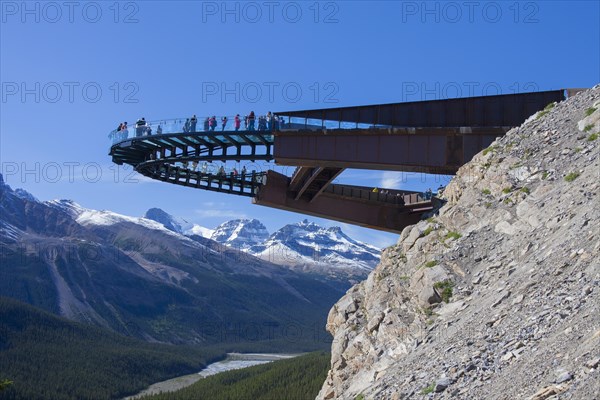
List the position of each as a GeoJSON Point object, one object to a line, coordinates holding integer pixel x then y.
{"type": "Point", "coordinates": [237, 122]}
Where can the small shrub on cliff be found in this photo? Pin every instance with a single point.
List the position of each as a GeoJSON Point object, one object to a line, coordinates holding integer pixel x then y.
{"type": "Point", "coordinates": [545, 175]}
{"type": "Point", "coordinates": [486, 191]}
{"type": "Point", "coordinates": [360, 397]}
{"type": "Point", "coordinates": [506, 190]}
{"type": "Point", "coordinates": [545, 111]}
{"type": "Point", "coordinates": [444, 289]}
{"type": "Point", "coordinates": [590, 111]}
{"type": "Point", "coordinates": [454, 235]}
{"type": "Point", "coordinates": [525, 190]}
{"type": "Point", "coordinates": [428, 389]}
{"type": "Point", "coordinates": [592, 137]}
{"type": "Point", "coordinates": [427, 231]}
{"type": "Point", "coordinates": [487, 150]}
{"type": "Point", "coordinates": [430, 264]}
{"type": "Point", "coordinates": [588, 128]}
{"type": "Point", "coordinates": [572, 176]}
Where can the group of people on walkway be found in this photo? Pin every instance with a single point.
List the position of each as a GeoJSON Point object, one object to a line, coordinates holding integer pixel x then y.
{"type": "Point", "coordinates": [220, 173]}
{"type": "Point", "coordinates": [268, 122]}
{"type": "Point", "coordinates": [251, 122]}
{"type": "Point", "coordinates": [427, 195]}
{"type": "Point", "coordinates": [142, 128]}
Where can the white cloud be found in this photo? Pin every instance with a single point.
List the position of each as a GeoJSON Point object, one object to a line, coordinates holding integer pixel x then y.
{"type": "Point", "coordinates": [392, 179]}
{"type": "Point", "coordinates": [219, 213]}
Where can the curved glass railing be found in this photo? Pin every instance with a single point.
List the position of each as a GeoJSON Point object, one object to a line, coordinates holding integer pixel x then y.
{"type": "Point", "coordinates": [214, 124]}
{"type": "Point", "coordinates": [261, 123]}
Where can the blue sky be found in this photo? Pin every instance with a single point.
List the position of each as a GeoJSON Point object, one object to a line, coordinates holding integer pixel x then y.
{"type": "Point", "coordinates": [71, 73]}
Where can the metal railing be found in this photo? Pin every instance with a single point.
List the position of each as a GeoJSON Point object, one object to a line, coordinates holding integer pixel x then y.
{"type": "Point", "coordinates": [243, 123]}
{"type": "Point", "coordinates": [396, 197]}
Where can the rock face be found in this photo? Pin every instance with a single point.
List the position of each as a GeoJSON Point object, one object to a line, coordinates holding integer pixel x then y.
{"type": "Point", "coordinates": [496, 295]}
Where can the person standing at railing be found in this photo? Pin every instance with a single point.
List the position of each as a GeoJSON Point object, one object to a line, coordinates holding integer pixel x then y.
{"type": "Point", "coordinates": [246, 119]}
{"type": "Point", "coordinates": [213, 123]}
{"type": "Point", "coordinates": [269, 121]}
{"type": "Point", "coordinates": [399, 199]}
{"type": "Point", "coordinates": [206, 124]}
{"type": "Point", "coordinates": [251, 119]}
{"type": "Point", "coordinates": [223, 123]}
{"type": "Point", "coordinates": [140, 126]}
{"type": "Point", "coordinates": [262, 123]}
{"type": "Point", "coordinates": [237, 122]}
{"type": "Point", "coordinates": [243, 172]}
{"type": "Point", "coordinates": [124, 131]}
{"type": "Point", "coordinates": [186, 126]}
{"type": "Point", "coordinates": [193, 123]}
{"type": "Point", "coordinates": [428, 194]}
{"type": "Point", "coordinates": [159, 130]}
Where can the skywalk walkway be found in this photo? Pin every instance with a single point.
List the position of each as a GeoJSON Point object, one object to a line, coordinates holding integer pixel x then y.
{"type": "Point", "coordinates": [429, 136]}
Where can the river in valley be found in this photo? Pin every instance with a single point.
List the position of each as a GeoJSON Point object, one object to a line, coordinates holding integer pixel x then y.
{"type": "Point", "coordinates": [231, 362]}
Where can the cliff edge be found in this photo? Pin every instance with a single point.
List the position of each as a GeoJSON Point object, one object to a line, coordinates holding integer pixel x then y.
{"type": "Point", "coordinates": [495, 296]}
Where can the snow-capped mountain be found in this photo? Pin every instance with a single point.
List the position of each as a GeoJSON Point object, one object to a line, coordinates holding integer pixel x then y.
{"type": "Point", "coordinates": [68, 206]}
{"type": "Point", "coordinates": [241, 234]}
{"type": "Point", "coordinates": [302, 246]}
{"type": "Point", "coordinates": [25, 195]}
{"type": "Point", "coordinates": [178, 225]}
{"type": "Point", "coordinates": [307, 244]}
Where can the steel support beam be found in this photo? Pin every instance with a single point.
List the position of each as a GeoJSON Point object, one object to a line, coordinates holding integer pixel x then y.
{"type": "Point", "coordinates": [430, 150]}
{"type": "Point", "coordinates": [375, 215]}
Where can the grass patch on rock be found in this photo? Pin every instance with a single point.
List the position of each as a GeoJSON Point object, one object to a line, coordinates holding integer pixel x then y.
{"type": "Point", "coordinates": [430, 264]}
{"type": "Point", "coordinates": [428, 389]}
{"type": "Point", "coordinates": [444, 289]}
{"type": "Point", "coordinates": [453, 235]}
{"type": "Point", "coordinates": [572, 176]}
{"type": "Point", "coordinates": [545, 111]}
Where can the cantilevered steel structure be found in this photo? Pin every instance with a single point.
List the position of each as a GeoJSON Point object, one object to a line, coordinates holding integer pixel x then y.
{"type": "Point", "coordinates": [436, 136]}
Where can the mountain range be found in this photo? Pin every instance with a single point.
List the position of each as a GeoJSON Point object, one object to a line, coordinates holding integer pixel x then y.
{"type": "Point", "coordinates": [137, 277]}
{"type": "Point", "coordinates": [303, 246]}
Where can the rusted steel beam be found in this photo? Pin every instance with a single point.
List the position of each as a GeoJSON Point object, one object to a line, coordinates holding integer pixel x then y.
{"type": "Point", "coordinates": [375, 215]}
{"type": "Point", "coordinates": [307, 182]}
{"type": "Point", "coordinates": [329, 174]}
{"type": "Point", "coordinates": [498, 110]}
{"type": "Point", "coordinates": [298, 177]}
{"type": "Point", "coordinates": [430, 150]}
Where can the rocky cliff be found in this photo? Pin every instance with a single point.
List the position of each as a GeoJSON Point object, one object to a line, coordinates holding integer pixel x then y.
{"type": "Point", "coordinates": [496, 295]}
